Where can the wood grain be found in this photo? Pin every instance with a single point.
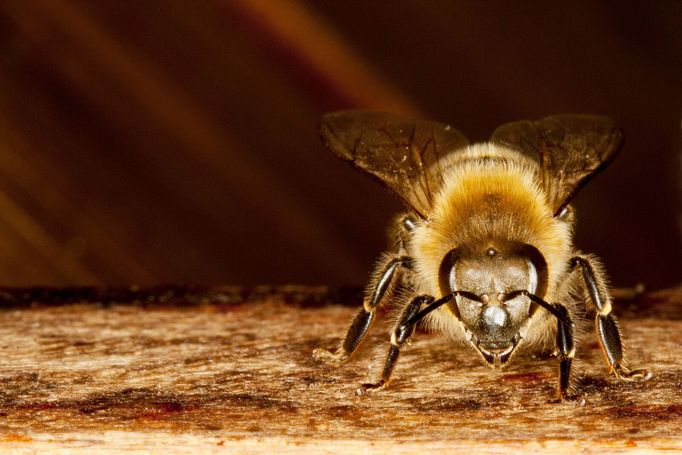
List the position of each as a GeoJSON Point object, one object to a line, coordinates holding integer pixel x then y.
{"type": "Point", "coordinates": [167, 370]}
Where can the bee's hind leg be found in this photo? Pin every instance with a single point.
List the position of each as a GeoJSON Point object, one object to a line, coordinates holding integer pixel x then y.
{"type": "Point", "coordinates": [608, 332]}
{"type": "Point", "coordinates": [380, 288]}
{"type": "Point", "coordinates": [403, 330]}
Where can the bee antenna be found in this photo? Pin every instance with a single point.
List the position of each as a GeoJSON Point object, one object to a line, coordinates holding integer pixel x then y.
{"type": "Point", "coordinates": [560, 315]}
{"type": "Point", "coordinates": [434, 304]}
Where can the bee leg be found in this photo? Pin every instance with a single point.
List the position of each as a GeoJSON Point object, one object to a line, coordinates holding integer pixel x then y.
{"type": "Point", "coordinates": [608, 332]}
{"type": "Point", "coordinates": [403, 330]}
{"type": "Point", "coordinates": [566, 352]}
{"type": "Point", "coordinates": [363, 320]}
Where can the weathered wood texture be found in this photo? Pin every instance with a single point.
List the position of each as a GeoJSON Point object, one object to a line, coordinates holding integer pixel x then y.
{"type": "Point", "coordinates": [231, 370]}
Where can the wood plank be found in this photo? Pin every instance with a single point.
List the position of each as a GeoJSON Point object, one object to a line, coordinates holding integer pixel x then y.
{"type": "Point", "coordinates": [165, 370]}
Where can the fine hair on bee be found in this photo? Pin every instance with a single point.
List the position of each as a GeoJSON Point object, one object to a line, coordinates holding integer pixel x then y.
{"type": "Point", "coordinates": [484, 255]}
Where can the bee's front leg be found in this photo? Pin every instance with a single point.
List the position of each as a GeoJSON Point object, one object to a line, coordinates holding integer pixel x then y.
{"type": "Point", "coordinates": [379, 289]}
{"type": "Point", "coordinates": [605, 322]}
{"type": "Point", "coordinates": [566, 352]}
{"type": "Point", "coordinates": [403, 330]}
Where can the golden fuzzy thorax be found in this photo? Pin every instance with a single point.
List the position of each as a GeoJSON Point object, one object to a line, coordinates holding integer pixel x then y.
{"type": "Point", "coordinates": [490, 195]}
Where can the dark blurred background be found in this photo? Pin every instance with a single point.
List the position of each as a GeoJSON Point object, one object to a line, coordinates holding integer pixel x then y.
{"type": "Point", "coordinates": [174, 141]}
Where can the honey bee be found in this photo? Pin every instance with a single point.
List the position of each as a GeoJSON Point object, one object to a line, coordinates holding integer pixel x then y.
{"type": "Point", "coordinates": [485, 254]}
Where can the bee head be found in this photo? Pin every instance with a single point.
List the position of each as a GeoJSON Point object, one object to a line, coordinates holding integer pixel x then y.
{"type": "Point", "coordinates": [494, 323]}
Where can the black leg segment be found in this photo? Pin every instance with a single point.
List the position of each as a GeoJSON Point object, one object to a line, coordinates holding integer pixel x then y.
{"type": "Point", "coordinates": [606, 325]}
{"type": "Point", "coordinates": [365, 317]}
{"type": "Point", "coordinates": [401, 333]}
{"type": "Point", "coordinates": [384, 282]}
{"type": "Point", "coordinates": [357, 330]}
{"type": "Point", "coordinates": [566, 349]}
{"type": "Point", "coordinates": [607, 331]}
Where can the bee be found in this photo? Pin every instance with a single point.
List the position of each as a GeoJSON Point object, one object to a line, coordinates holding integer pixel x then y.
{"type": "Point", "coordinates": [485, 253]}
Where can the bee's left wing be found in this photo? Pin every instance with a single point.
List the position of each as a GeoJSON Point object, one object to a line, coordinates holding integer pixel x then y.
{"type": "Point", "coordinates": [570, 149]}
{"type": "Point", "coordinates": [402, 154]}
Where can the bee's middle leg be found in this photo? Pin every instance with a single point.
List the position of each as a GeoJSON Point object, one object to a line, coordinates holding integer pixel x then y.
{"type": "Point", "coordinates": [608, 332]}
{"type": "Point", "coordinates": [379, 290]}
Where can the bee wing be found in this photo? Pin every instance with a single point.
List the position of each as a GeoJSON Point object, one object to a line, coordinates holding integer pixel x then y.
{"type": "Point", "coordinates": [402, 154]}
{"type": "Point", "coordinates": [570, 149]}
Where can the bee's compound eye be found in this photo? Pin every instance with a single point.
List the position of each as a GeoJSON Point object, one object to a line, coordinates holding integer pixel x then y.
{"type": "Point", "coordinates": [564, 212]}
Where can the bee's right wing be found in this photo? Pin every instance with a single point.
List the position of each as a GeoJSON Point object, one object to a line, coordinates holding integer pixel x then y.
{"type": "Point", "coordinates": [402, 154]}
{"type": "Point", "coordinates": [570, 149]}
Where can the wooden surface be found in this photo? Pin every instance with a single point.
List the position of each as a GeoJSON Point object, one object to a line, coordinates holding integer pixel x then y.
{"type": "Point", "coordinates": [230, 370]}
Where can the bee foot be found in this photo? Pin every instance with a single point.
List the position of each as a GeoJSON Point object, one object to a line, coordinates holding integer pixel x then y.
{"type": "Point", "coordinates": [331, 358]}
{"type": "Point", "coordinates": [564, 397]}
{"type": "Point", "coordinates": [625, 374]}
{"type": "Point", "coordinates": [367, 389]}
